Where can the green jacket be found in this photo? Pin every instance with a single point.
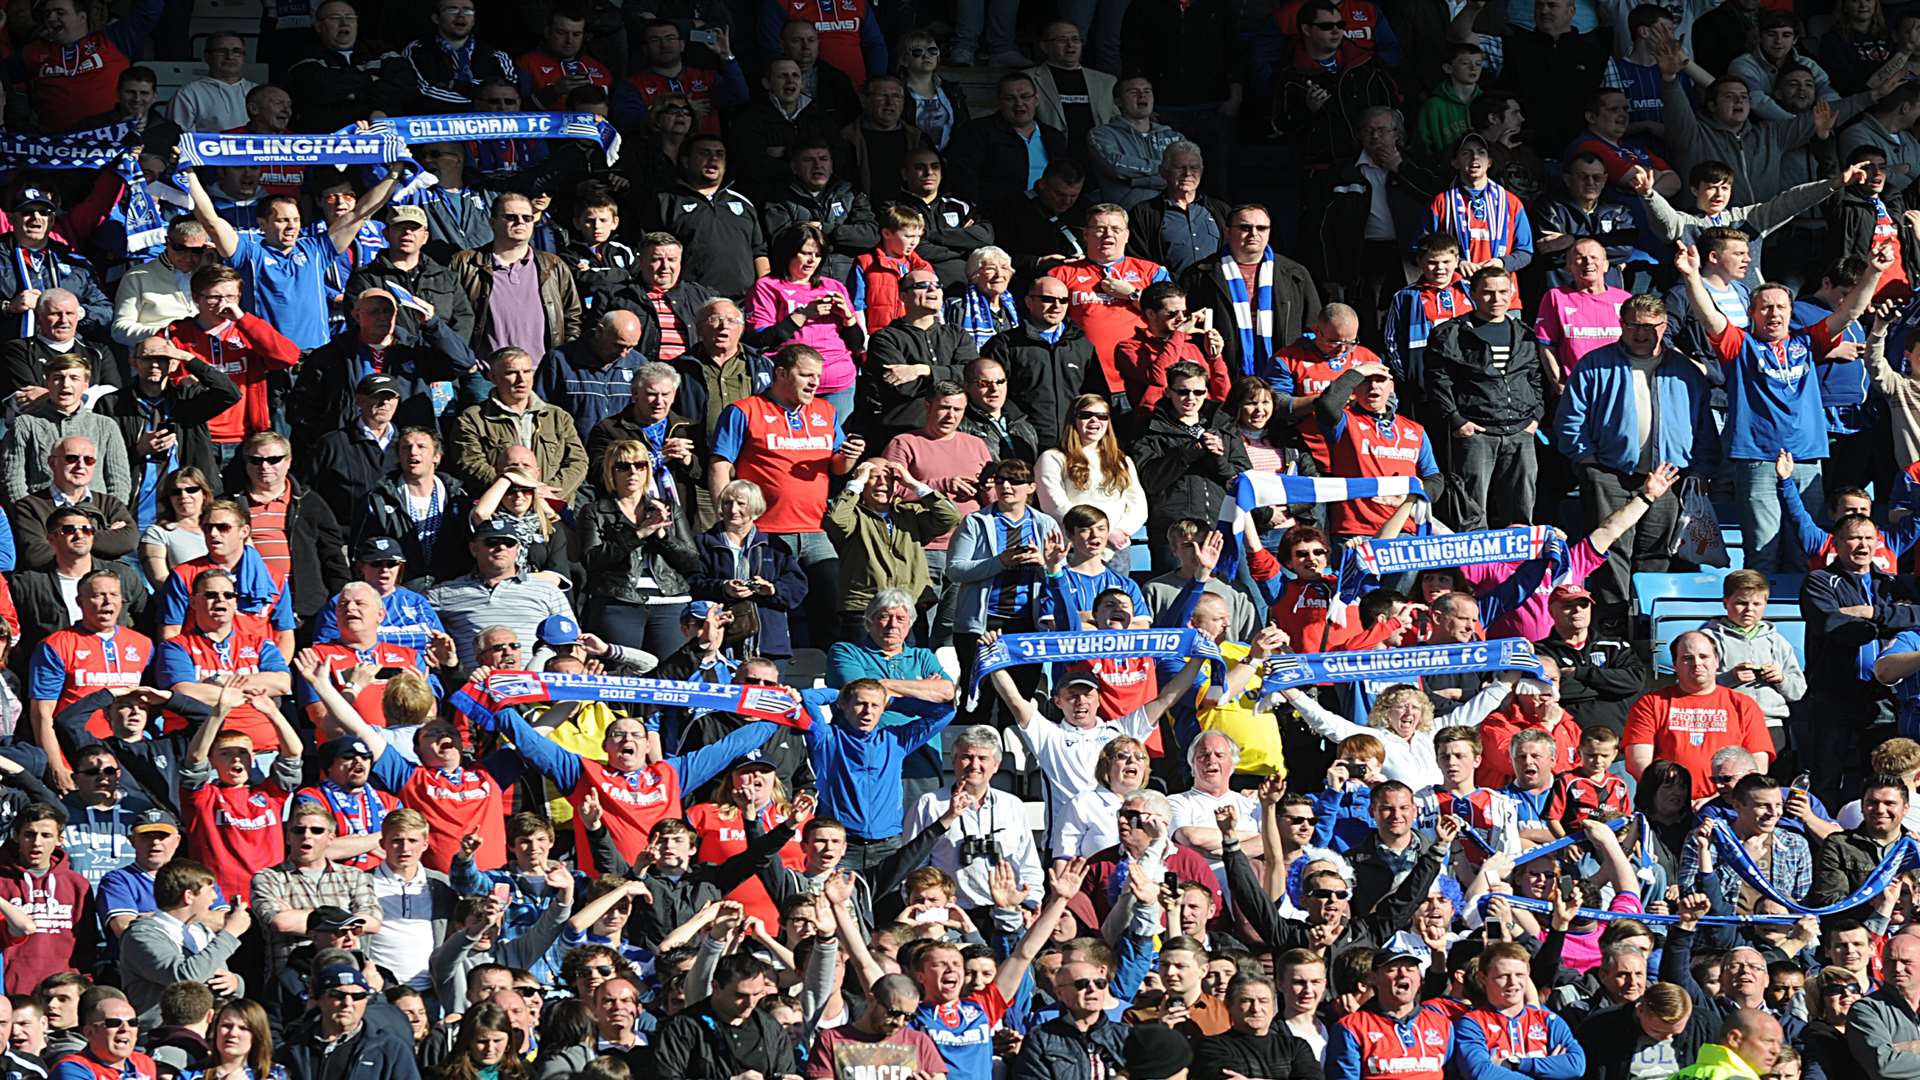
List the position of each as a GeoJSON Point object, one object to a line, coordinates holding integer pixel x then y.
{"type": "Point", "coordinates": [1443, 119]}
{"type": "Point", "coordinates": [885, 552]}
{"type": "Point", "coordinates": [1717, 1062]}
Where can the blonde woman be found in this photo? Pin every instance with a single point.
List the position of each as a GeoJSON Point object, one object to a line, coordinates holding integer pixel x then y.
{"type": "Point", "coordinates": [1089, 468]}
{"type": "Point", "coordinates": [1402, 719]}
{"type": "Point", "coordinates": [635, 565]}
{"type": "Point", "coordinates": [175, 536]}
{"type": "Point", "coordinates": [1093, 820]}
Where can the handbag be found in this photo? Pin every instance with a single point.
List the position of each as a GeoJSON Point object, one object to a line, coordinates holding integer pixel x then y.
{"type": "Point", "coordinates": [746, 621]}
{"type": "Point", "coordinates": [1696, 535]}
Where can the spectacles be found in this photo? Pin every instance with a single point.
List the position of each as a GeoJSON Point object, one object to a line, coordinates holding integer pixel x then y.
{"type": "Point", "coordinates": [115, 1023]}
{"type": "Point", "coordinates": [1089, 984]}
{"type": "Point", "coordinates": [1089, 414]}
{"type": "Point", "coordinates": [104, 770]}
{"type": "Point", "coordinates": [265, 459]}
{"type": "Point", "coordinates": [629, 466]}
{"type": "Point", "coordinates": [187, 490]}
{"type": "Point", "coordinates": [1330, 894]}
{"type": "Point", "coordinates": [988, 384]}
{"type": "Point", "coordinates": [222, 595]}
{"type": "Point", "coordinates": [308, 830]}
{"type": "Point", "coordinates": [78, 459]}
{"type": "Point", "coordinates": [77, 530]}
{"type": "Point", "coordinates": [924, 51]}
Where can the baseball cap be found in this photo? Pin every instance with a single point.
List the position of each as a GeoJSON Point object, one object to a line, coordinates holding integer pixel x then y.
{"type": "Point", "coordinates": [1081, 677]}
{"type": "Point", "coordinates": [1471, 137]}
{"type": "Point", "coordinates": [27, 196]}
{"type": "Point", "coordinates": [496, 529]}
{"type": "Point", "coordinates": [340, 975]}
{"type": "Point", "coordinates": [1563, 593]}
{"type": "Point", "coordinates": [379, 548]}
{"type": "Point", "coordinates": [378, 384]}
{"type": "Point", "coordinates": [1156, 1052]}
{"type": "Point", "coordinates": [1403, 945]}
{"type": "Point", "coordinates": [559, 630]}
{"type": "Point", "coordinates": [154, 820]}
{"type": "Point", "coordinates": [697, 609]}
{"type": "Point", "coordinates": [413, 215]}
{"type": "Point", "coordinates": [336, 749]}
{"type": "Point", "coordinates": [753, 761]}
{"type": "Point", "coordinates": [329, 918]}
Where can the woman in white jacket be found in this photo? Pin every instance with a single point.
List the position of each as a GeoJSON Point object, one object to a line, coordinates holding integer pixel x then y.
{"type": "Point", "coordinates": [1090, 468]}
{"type": "Point", "coordinates": [1402, 719]}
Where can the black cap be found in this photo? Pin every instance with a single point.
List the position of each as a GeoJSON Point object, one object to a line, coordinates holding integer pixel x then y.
{"type": "Point", "coordinates": [335, 749]}
{"type": "Point", "coordinates": [329, 919]}
{"type": "Point", "coordinates": [1156, 1052]}
{"type": "Point", "coordinates": [154, 820]}
{"type": "Point", "coordinates": [378, 384]}
{"type": "Point", "coordinates": [495, 529]}
{"type": "Point", "coordinates": [27, 196]}
{"type": "Point", "coordinates": [377, 548]}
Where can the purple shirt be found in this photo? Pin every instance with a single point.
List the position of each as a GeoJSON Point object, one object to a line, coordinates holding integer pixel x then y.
{"type": "Point", "coordinates": [774, 299]}
{"type": "Point", "coordinates": [515, 315]}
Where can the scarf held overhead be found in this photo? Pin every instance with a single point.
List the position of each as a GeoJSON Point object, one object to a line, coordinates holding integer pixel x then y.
{"type": "Point", "coordinates": [1289, 670]}
{"type": "Point", "coordinates": [463, 127]}
{"type": "Point", "coordinates": [1256, 489]}
{"type": "Point", "coordinates": [96, 149]}
{"type": "Point", "coordinates": [507, 688]}
{"type": "Point", "coordinates": [1016, 650]}
{"type": "Point", "coordinates": [1439, 552]}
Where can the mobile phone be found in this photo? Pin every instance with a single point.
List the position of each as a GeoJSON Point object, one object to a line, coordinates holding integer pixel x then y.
{"type": "Point", "coordinates": [932, 915]}
{"type": "Point", "coordinates": [678, 429]}
{"type": "Point", "coordinates": [1171, 882]}
{"type": "Point", "coordinates": [502, 892]}
{"type": "Point", "coordinates": [1203, 320]}
{"type": "Point", "coordinates": [703, 37]}
{"type": "Point", "coordinates": [386, 673]}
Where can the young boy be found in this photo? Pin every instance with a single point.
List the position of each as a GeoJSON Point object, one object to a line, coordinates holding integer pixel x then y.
{"type": "Point", "coordinates": [234, 824]}
{"type": "Point", "coordinates": [1493, 819]}
{"type": "Point", "coordinates": [878, 275]}
{"type": "Point", "coordinates": [1489, 221]}
{"type": "Point", "coordinates": [1589, 789]}
{"type": "Point", "coordinates": [602, 266]}
{"type": "Point", "coordinates": [1755, 659]}
{"type": "Point", "coordinates": [523, 879]}
{"type": "Point", "coordinates": [1444, 117]}
{"type": "Point", "coordinates": [1712, 184]}
{"type": "Point", "coordinates": [1439, 295]}
{"type": "Point", "coordinates": [1081, 574]}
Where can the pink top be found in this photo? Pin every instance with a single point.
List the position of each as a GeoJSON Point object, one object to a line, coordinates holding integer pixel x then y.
{"type": "Point", "coordinates": [1531, 620]}
{"type": "Point", "coordinates": [774, 299]}
{"type": "Point", "coordinates": [1265, 458]}
{"type": "Point", "coordinates": [938, 463]}
{"type": "Point", "coordinates": [1576, 323]}
{"type": "Point", "coordinates": [1581, 952]}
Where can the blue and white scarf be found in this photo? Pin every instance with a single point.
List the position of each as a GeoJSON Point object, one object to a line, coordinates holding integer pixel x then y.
{"type": "Point", "coordinates": [971, 312]}
{"type": "Point", "coordinates": [1253, 316]}
{"type": "Point", "coordinates": [352, 146]}
{"type": "Point", "coordinates": [93, 150]}
{"type": "Point", "coordinates": [477, 127]}
{"type": "Point", "coordinates": [1497, 200]}
{"type": "Point", "coordinates": [1289, 670]}
{"type": "Point", "coordinates": [1443, 551]}
{"type": "Point", "coordinates": [1017, 650]}
{"type": "Point", "coordinates": [1256, 489]}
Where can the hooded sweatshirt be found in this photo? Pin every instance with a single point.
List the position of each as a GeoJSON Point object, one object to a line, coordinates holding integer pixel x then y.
{"type": "Point", "coordinates": [60, 902]}
{"type": "Point", "coordinates": [1761, 645]}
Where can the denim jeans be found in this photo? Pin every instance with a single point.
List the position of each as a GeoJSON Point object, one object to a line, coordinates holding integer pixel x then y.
{"type": "Point", "coordinates": [822, 564]}
{"type": "Point", "coordinates": [1099, 22]}
{"type": "Point", "coordinates": [1756, 507]}
{"type": "Point", "coordinates": [1499, 472]}
{"type": "Point", "coordinates": [998, 19]}
{"type": "Point", "coordinates": [842, 402]}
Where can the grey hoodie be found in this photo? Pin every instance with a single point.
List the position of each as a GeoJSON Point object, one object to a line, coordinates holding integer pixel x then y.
{"type": "Point", "coordinates": [1754, 152]}
{"type": "Point", "coordinates": [1763, 646]}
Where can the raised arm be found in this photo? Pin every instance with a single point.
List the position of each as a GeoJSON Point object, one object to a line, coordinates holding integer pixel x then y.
{"type": "Point", "coordinates": [1658, 482]}
{"type": "Point", "coordinates": [1063, 884]}
{"type": "Point", "coordinates": [338, 718]}
{"type": "Point", "coordinates": [343, 232]}
{"type": "Point", "coordinates": [1857, 299]}
{"type": "Point", "coordinates": [202, 742]}
{"type": "Point", "coordinates": [838, 889]}
{"type": "Point", "coordinates": [226, 241]}
{"type": "Point", "coordinates": [1686, 259]}
{"type": "Point", "coordinates": [1175, 689]}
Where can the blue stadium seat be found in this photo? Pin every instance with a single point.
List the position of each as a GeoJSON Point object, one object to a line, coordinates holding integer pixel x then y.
{"type": "Point", "coordinates": [1704, 585]}
{"type": "Point", "coordinates": [1795, 631]}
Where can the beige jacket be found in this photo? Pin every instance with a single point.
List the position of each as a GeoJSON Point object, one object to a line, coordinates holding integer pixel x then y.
{"type": "Point", "coordinates": [1902, 393]}
{"type": "Point", "coordinates": [1099, 96]}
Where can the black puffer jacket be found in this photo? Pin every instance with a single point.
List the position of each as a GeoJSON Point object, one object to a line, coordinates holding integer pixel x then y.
{"type": "Point", "coordinates": [1182, 478]}
{"type": "Point", "coordinates": [1057, 1050]}
{"type": "Point", "coordinates": [430, 281]}
{"type": "Point", "coordinates": [1466, 382]}
{"type": "Point", "coordinates": [1045, 377]}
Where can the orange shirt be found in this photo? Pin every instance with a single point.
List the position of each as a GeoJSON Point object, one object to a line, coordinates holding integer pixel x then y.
{"type": "Point", "coordinates": [1689, 728]}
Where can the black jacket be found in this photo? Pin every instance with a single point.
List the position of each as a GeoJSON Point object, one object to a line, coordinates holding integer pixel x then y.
{"type": "Point", "coordinates": [429, 280]}
{"type": "Point", "coordinates": [1277, 1055]}
{"type": "Point", "coordinates": [1295, 302]}
{"type": "Point", "coordinates": [694, 1044]}
{"type": "Point", "coordinates": [1145, 220]}
{"type": "Point", "coordinates": [72, 272]}
{"type": "Point", "coordinates": [614, 556]}
{"type": "Point", "coordinates": [1615, 1042]}
{"type": "Point", "coordinates": [767, 556]}
{"type": "Point", "coordinates": [116, 531]}
{"type": "Point", "coordinates": [1028, 231]}
{"type": "Point", "coordinates": [987, 159]}
{"type": "Point", "coordinates": [330, 91]}
{"type": "Point", "coordinates": [1346, 198]}
{"type": "Point", "coordinates": [439, 87]}
{"type": "Point", "coordinates": [606, 281]}
{"type": "Point", "coordinates": [1192, 49]}
{"type": "Point", "coordinates": [188, 407]}
{"type": "Point", "coordinates": [1599, 681]}
{"type": "Point", "coordinates": [323, 401]}
{"type": "Point", "coordinates": [759, 137]}
{"type": "Point", "coordinates": [1045, 377]}
{"type": "Point", "coordinates": [1465, 382]}
{"type": "Point", "coordinates": [888, 410]}
{"type": "Point", "coordinates": [685, 299]}
{"type": "Point", "coordinates": [1012, 437]}
{"type": "Point", "coordinates": [1181, 477]}
{"type": "Point", "coordinates": [1330, 135]}
{"type": "Point", "coordinates": [371, 1051]}
{"type": "Point", "coordinates": [1280, 934]}
{"type": "Point", "coordinates": [842, 213]}
{"type": "Point", "coordinates": [385, 514]}
{"type": "Point", "coordinates": [719, 234]}
{"type": "Point", "coordinates": [1841, 864]}
{"type": "Point", "coordinates": [1834, 639]}
{"type": "Point", "coordinates": [1057, 1050]}
{"type": "Point", "coordinates": [23, 362]}
{"type": "Point", "coordinates": [348, 464]}
{"type": "Point", "coordinates": [1850, 225]}
{"type": "Point", "coordinates": [953, 232]}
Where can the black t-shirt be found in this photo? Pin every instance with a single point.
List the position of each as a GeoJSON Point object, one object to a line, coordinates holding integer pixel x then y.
{"type": "Point", "coordinates": [1074, 102]}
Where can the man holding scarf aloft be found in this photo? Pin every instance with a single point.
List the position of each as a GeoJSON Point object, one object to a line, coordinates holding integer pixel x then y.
{"type": "Point", "coordinates": [31, 263]}
{"type": "Point", "coordinates": [1259, 300]}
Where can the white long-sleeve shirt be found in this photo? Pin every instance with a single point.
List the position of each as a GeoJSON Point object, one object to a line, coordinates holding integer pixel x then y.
{"type": "Point", "coordinates": [1001, 816]}
{"type": "Point", "coordinates": [1067, 756]}
{"type": "Point", "coordinates": [1410, 760]}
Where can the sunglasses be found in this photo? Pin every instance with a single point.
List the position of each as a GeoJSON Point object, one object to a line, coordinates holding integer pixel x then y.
{"type": "Point", "coordinates": [512, 646]}
{"type": "Point", "coordinates": [1296, 820]}
{"type": "Point", "coordinates": [265, 459]}
{"type": "Point", "coordinates": [499, 542]}
{"type": "Point", "coordinates": [923, 286]}
{"type": "Point", "coordinates": [187, 490]}
{"type": "Point", "coordinates": [104, 770]}
{"type": "Point", "coordinates": [308, 830]}
{"type": "Point", "coordinates": [221, 595]}
{"type": "Point", "coordinates": [1197, 391]}
{"type": "Point", "coordinates": [189, 249]}
{"type": "Point", "coordinates": [1089, 984]}
{"type": "Point", "coordinates": [1330, 894]}
{"type": "Point", "coordinates": [602, 970]}
{"type": "Point", "coordinates": [115, 1023]}
{"type": "Point", "coordinates": [629, 466]}
{"type": "Point", "coordinates": [899, 1014]}
{"type": "Point", "coordinates": [1089, 414]}
{"type": "Point", "coordinates": [220, 526]}
{"type": "Point", "coordinates": [1328, 25]}
{"type": "Point", "coordinates": [517, 219]}
{"type": "Point", "coordinates": [344, 995]}
{"type": "Point", "coordinates": [1841, 989]}
{"type": "Point", "coordinates": [1048, 301]}
{"type": "Point", "coordinates": [526, 991]}
{"type": "Point", "coordinates": [924, 51]}
{"type": "Point", "coordinates": [78, 459]}
{"type": "Point", "coordinates": [988, 384]}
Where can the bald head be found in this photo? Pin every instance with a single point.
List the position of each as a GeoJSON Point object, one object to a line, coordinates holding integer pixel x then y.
{"type": "Point", "coordinates": [618, 335]}
{"type": "Point", "coordinates": [1755, 1036]}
